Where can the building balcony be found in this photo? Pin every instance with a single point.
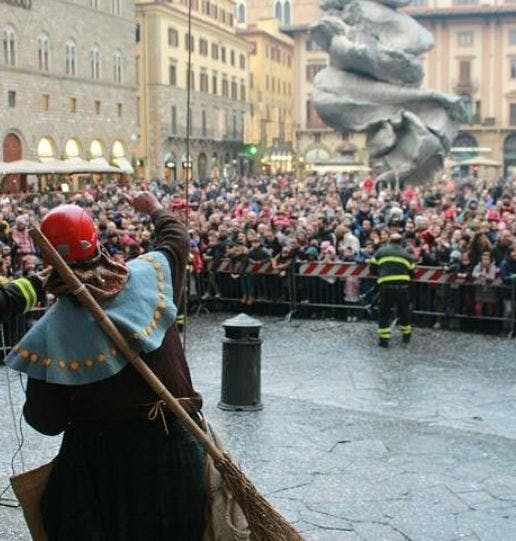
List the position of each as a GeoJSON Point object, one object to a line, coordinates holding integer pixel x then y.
{"type": "Point", "coordinates": [199, 134]}
{"type": "Point", "coordinates": [238, 136]}
{"type": "Point", "coordinates": [465, 86]}
{"type": "Point", "coordinates": [489, 121]}
{"type": "Point", "coordinates": [479, 124]}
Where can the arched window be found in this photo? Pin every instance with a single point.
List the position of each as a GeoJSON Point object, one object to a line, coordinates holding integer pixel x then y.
{"type": "Point", "coordinates": [43, 52]}
{"type": "Point", "coordinates": [9, 46]}
{"type": "Point", "coordinates": [509, 154]}
{"type": "Point", "coordinates": [465, 140]}
{"type": "Point", "coordinates": [72, 149]}
{"type": "Point", "coordinates": [95, 62]}
{"type": "Point", "coordinates": [464, 147]}
{"type": "Point", "coordinates": [241, 15]}
{"type": "Point", "coordinates": [509, 145]}
{"type": "Point", "coordinates": [96, 149]}
{"type": "Point", "coordinates": [287, 13]}
{"type": "Point", "coordinates": [118, 150]}
{"type": "Point", "coordinates": [278, 11]}
{"type": "Point", "coordinates": [71, 58]}
{"type": "Point", "coordinates": [117, 67]}
{"type": "Point", "coordinates": [46, 149]}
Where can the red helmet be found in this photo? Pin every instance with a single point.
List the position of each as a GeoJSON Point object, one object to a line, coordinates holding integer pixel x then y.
{"type": "Point", "coordinates": [71, 231]}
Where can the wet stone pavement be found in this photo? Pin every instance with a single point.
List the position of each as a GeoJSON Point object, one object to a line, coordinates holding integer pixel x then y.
{"type": "Point", "coordinates": [357, 443]}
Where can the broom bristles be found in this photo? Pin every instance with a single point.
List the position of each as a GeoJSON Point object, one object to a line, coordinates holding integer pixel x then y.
{"type": "Point", "coordinates": [265, 523]}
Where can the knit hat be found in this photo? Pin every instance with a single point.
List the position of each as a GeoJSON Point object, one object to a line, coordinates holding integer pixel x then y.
{"type": "Point", "coordinates": [493, 216]}
{"type": "Point", "coordinates": [311, 251]}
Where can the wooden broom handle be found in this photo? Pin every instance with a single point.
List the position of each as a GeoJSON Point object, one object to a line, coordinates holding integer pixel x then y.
{"type": "Point", "coordinates": [86, 298]}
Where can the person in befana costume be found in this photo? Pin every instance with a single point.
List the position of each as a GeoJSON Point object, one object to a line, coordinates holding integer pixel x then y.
{"type": "Point", "coordinates": [127, 469]}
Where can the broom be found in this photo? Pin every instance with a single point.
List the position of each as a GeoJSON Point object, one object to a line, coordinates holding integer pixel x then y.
{"type": "Point", "coordinates": [265, 522]}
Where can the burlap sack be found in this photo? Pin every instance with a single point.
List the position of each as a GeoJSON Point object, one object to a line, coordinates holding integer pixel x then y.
{"type": "Point", "coordinates": [29, 488]}
{"type": "Point", "coordinates": [225, 520]}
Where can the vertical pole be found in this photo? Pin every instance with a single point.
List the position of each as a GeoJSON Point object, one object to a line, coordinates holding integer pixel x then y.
{"type": "Point", "coordinates": [188, 157]}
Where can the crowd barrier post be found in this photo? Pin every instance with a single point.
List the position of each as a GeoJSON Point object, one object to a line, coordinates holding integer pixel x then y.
{"type": "Point", "coordinates": [292, 292]}
{"type": "Point", "coordinates": [12, 331]}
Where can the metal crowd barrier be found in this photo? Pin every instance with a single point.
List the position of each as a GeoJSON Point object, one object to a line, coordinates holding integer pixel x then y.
{"type": "Point", "coordinates": [350, 289]}
{"type": "Point", "coordinates": [13, 330]}
{"type": "Point", "coordinates": [335, 289]}
{"type": "Point", "coordinates": [260, 281]}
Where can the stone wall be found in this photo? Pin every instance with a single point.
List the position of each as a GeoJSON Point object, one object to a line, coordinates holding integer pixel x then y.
{"type": "Point", "coordinates": [162, 140]}
{"type": "Point", "coordinates": [63, 21]}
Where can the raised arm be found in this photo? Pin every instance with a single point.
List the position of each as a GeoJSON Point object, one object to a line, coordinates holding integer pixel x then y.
{"type": "Point", "coordinates": [171, 237]}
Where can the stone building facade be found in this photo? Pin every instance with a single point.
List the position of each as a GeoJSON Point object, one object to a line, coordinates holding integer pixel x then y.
{"type": "Point", "coordinates": [67, 80]}
{"type": "Point", "coordinates": [316, 145]}
{"type": "Point", "coordinates": [219, 89]}
{"type": "Point", "coordinates": [270, 129]}
{"type": "Point", "coordinates": [475, 57]}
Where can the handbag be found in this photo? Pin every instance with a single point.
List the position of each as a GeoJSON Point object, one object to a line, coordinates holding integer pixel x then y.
{"type": "Point", "coordinates": [225, 520]}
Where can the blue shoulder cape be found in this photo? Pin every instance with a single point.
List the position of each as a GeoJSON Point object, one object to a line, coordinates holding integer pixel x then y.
{"type": "Point", "coordinates": [67, 346]}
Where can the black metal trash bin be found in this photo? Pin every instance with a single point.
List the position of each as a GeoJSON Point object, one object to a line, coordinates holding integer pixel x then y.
{"type": "Point", "coordinates": [241, 364]}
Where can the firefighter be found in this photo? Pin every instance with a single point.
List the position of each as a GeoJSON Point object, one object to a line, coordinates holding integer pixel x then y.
{"type": "Point", "coordinates": [21, 295]}
{"type": "Point", "coordinates": [394, 267]}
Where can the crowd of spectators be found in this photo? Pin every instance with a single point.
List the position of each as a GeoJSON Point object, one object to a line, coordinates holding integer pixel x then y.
{"type": "Point", "coordinates": [467, 226]}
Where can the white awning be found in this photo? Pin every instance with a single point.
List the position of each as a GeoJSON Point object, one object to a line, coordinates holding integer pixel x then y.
{"type": "Point", "coordinates": [479, 161]}
{"type": "Point", "coordinates": [22, 167]}
{"type": "Point", "coordinates": [58, 167]}
{"type": "Point", "coordinates": [101, 165]}
{"type": "Point", "coordinates": [124, 164]}
{"type": "Point", "coordinates": [322, 168]}
{"type": "Point", "coordinates": [78, 165]}
{"type": "Point", "coordinates": [53, 166]}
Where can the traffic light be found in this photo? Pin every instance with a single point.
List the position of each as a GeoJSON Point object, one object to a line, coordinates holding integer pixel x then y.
{"type": "Point", "coordinates": [250, 150]}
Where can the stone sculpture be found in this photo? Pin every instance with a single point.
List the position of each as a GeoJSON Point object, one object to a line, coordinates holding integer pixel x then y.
{"type": "Point", "coordinates": [373, 85]}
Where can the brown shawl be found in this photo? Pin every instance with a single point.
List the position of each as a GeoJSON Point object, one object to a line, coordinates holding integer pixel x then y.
{"type": "Point", "coordinates": [103, 276]}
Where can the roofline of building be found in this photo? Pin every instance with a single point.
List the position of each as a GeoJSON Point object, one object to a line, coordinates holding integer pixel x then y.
{"type": "Point", "coordinates": [295, 29]}
{"type": "Point", "coordinates": [460, 12]}
{"type": "Point", "coordinates": [432, 13]}
{"type": "Point", "coordinates": [150, 5]}
{"type": "Point", "coordinates": [282, 39]}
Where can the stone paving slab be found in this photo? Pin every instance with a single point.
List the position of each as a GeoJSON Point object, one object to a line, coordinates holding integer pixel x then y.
{"type": "Point", "coordinates": [356, 443]}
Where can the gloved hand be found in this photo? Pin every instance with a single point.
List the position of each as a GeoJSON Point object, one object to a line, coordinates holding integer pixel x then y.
{"type": "Point", "coordinates": [144, 202]}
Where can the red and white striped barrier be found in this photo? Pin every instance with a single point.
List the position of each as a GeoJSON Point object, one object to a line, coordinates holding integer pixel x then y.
{"type": "Point", "coordinates": [432, 275]}
{"type": "Point", "coordinates": [260, 267]}
{"type": "Point", "coordinates": [338, 270]}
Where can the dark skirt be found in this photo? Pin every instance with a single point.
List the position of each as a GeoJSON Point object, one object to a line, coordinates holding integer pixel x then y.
{"type": "Point", "coordinates": [126, 482]}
